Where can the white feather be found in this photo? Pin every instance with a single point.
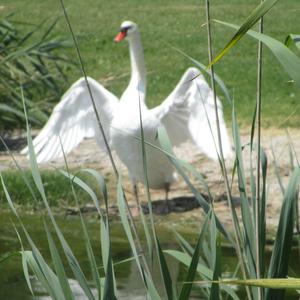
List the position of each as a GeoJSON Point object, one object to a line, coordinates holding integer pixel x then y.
{"type": "Point", "coordinates": [73, 119]}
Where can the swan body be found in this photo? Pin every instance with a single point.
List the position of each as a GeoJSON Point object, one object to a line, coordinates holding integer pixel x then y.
{"type": "Point", "coordinates": [187, 113]}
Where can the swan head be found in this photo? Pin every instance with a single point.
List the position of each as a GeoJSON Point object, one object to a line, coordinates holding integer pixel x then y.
{"type": "Point", "coordinates": [127, 29]}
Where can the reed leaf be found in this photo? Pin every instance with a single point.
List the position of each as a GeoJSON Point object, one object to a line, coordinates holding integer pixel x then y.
{"type": "Point", "coordinates": [26, 271]}
{"type": "Point", "coordinates": [289, 61]}
{"type": "Point", "coordinates": [77, 271]}
{"type": "Point", "coordinates": [197, 175]}
{"type": "Point", "coordinates": [278, 283]}
{"type": "Point", "coordinates": [101, 182]}
{"type": "Point", "coordinates": [35, 260]}
{"type": "Point", "coordinates": [21, 57]}
{"type": "Point", "coordinates": [283, 242]}
{"type": "Point", "coordinates": [186, 259]}
{"type": "Point", "coordinates": [255, 15]}
{"type": "Point", "coordinates": [85, 187]}
{"type": "Point", "coordinates": [92, 259]}
{"type": "Point", "coordinates": [215, 258]}
{"type": "Point", "coordinates": [164, 270]}
{"type": "Point", "coordinates": [185, 245]}
{"type": "Point", "coordinates": [58, 265]}
{"type": "Point", "coordinates": [248, 224]}
{"type": "Point", "coordinates": [262, 209]}
{"type": "Point", "coordinates": [125, 223]}
{"type": "Point", "coordinates": [109, 287]}
{"type": "Point", "coordinates": [167, 147]}
{"type": "Point", "coordinates": [187, 288]}
{"type": "Point", "coordinates": [151, 290]}
{"type": "Point", "coordinates": [89, 249]}
{"type": "Point", "coordinates": [293, 39]}
{"type": "Point", "coordinates": [44, 274]}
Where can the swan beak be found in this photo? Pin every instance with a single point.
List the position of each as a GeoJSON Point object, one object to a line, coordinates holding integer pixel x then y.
{"type": "Point", "coordinates": [120, 36]}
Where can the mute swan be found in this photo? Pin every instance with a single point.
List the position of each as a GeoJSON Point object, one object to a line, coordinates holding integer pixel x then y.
{"type": "Point", "coordinates": [184, 114]}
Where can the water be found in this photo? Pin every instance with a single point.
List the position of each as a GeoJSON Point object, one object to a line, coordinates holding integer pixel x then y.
{"type": "Point", "coordinates": [12, 281]}
{"type": "Point", "coordinates": [129, 285]}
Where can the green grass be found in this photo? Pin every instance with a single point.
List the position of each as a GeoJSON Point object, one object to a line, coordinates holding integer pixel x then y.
{"type": "Point", "coordinates": [57, 188]}
{"type": "Point", "coordinates": [176, 23]}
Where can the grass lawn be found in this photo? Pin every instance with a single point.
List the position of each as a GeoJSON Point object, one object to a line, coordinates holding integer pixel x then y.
{"type": "Point", "coordinates": [58, 189]}
{"type": "Point", "coordinates": [175, 23]}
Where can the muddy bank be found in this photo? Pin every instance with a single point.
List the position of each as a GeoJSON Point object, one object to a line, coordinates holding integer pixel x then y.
{"type": "Point", "coordinates": [275, 143]}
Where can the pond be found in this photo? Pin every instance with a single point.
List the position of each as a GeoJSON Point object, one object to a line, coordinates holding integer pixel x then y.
{"type": "Point", "coordinates": [129, 285]}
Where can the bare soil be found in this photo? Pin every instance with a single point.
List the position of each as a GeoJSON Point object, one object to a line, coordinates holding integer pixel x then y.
{"type": "Point", "coordinates": [183, 206]}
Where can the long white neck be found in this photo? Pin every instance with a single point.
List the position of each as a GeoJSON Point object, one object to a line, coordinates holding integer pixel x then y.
{"type": "Point", "coordinates": [138, 70]}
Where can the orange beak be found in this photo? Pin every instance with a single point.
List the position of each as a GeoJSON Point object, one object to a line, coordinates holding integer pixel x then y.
{"type": "Point", "coordinates": [120, 36]}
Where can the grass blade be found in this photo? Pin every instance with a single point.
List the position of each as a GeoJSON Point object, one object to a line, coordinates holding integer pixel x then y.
{"type": "Point", "coordinates": [187, 288]}
{"type": "Point", "coordinates": [59, 268]}
{"type": "Point", "coordinates": [279, 283]}
{"type": "Point", "coordinates": [186, 259]}
{"type": "Point", "coordinates": [165, 272]}
{"type": "Point", "coordinates": [126, 226]}
{"type": "Point", "coordinates": [283, 242]}
{"type": "Point", "coordinates": [109, 286]}
{"type": "Point", "coordinates": [289, 61]}
{"type": "Point", "coordinates": [89, 249]}
{"type": "Point", "coordinates": [67, 250]}
{"type": "Point", "coordinates": [101, 182]}
{"type": "Point", "coordinates": [44, 274]}
{"type": "Point", "coordinates": [85, 187]}
{"type": "Point", "coordinates": [262, 209]}
{"type": "Point", "coordinates": [255, 15]}
{"type": "Point", "coordinates": [151, 290]}
{"type": "Point", "coordinates": [215, 258]}
{"type": "Point", "coordinates": [109, 283]}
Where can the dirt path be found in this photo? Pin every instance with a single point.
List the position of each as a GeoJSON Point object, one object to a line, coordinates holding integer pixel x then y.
{"type": "Point", "coordinates": [89, 155]}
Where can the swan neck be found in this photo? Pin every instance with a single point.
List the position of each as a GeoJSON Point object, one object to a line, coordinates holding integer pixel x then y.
{"type": "Point", "coordinates": [138, 70]}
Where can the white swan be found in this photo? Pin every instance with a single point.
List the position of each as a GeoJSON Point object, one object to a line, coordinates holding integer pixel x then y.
{"type": "Point", "coordinates": [184, 114]}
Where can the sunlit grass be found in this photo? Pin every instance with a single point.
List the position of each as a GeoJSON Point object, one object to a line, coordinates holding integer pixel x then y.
{"type": "Point", "coordinates": [58, 191]}
{"type": "Point", "coordinates": [176, 23]}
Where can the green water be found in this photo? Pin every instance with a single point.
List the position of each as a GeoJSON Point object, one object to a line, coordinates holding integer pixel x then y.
{"type": "Point", "coordinates": [14, 287]}
{"type": "Point", "coordinates": [12, 281]}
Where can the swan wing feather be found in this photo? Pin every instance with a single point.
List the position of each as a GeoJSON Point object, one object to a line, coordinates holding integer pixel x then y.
{"type": "Point", "coordinates": [73, 119]}
{"type": "Point", "coordinates": [189, 113]}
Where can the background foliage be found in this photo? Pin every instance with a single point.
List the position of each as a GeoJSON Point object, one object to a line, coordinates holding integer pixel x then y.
{"type": "Point", "coordinates": [31, 57]}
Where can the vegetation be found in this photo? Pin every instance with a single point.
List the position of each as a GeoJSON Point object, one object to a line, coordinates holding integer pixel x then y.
{"type": "Point", "coordinates": [203, 260]}
{"type": "Point", "coordinates": [175, 23]}
{"type": "Point", "coordinates": [29, 59]}
{"type": "Point", "coordinates": [57, 194]}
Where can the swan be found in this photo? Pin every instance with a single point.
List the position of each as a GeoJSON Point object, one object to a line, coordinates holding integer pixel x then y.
{"type": "Point", "coordinates": [187, 113]}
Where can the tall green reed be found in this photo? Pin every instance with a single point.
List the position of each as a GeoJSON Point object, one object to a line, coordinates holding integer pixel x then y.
{"type": "Point", "coordinates": [35, 64]}
{"type": "Point", "coordinates": [257, 212]}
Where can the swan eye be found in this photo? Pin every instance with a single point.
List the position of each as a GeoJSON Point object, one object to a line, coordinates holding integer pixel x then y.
{"type": "Point", "coordinates": [125, 29]}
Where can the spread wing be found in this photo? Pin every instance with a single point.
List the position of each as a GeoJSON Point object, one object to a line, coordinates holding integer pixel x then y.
{"type": "Point", "coordinates": [73, 119]}
{"type": "Point", "coordinates": [189, 113]}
